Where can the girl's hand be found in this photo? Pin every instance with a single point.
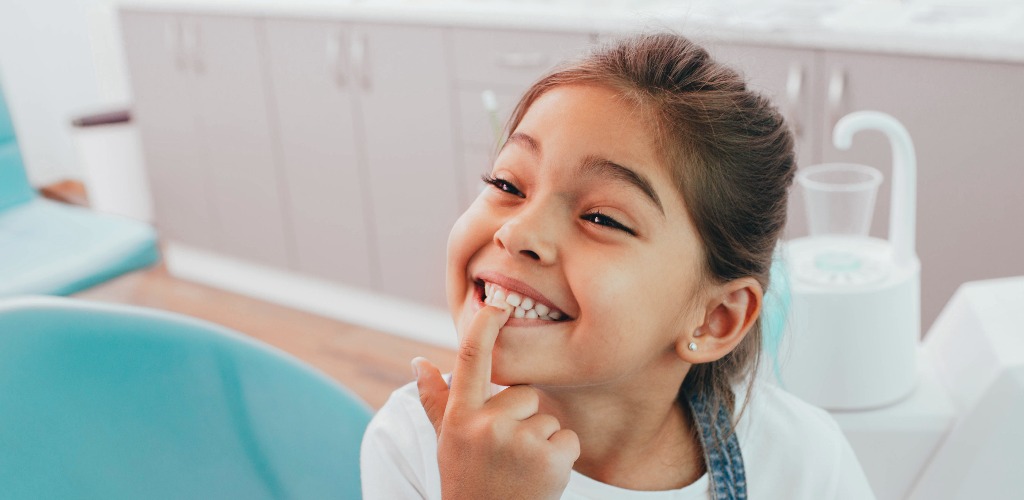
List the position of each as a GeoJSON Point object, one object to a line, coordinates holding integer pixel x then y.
{"type": "Point", "coordinates": [492, 447]}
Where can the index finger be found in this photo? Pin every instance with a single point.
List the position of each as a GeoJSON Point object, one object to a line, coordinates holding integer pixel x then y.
{"type": "Point", "coordinates": [471, 376]}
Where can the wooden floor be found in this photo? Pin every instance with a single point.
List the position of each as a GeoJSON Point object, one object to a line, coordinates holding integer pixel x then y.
{"type": "Point", "coordinates": [370, 363]}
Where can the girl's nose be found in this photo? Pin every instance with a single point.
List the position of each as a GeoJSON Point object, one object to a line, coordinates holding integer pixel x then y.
{"type": "Point", "coordinates": [529, 234]}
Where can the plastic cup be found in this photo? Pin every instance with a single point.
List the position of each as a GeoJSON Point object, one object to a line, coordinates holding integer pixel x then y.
{"type": "Point", "coordinates": [840, 198]}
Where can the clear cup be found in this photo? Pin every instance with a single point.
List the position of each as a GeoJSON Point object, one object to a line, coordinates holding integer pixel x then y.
{"type": "Point", "coordinates": [840, 198]}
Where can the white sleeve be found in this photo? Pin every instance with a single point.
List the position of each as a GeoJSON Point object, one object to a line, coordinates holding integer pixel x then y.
{"type": "Point", "coordinates": [848, 479]}
{"type": "Point", "coordinates": [393, 457]}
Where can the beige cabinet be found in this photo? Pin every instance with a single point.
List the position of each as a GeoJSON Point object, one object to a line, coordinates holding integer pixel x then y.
{"type": "Point", "coordinates": [201, 101]}
{"type": "Point", "coordinates": [346, 150]}
{"type": "Point", "coordinates": [406, 109]}
{"type": "Point", "coordinates": [164, 84]}
{"type": "Point", "coordinates": [323, 176]}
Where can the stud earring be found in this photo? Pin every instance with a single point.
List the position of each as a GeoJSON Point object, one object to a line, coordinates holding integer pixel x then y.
{"type": "Point", "coordinates": [693, 346]}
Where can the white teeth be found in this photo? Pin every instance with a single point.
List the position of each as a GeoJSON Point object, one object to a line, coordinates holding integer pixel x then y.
{"type": "Point", "coordinates": [524, 307]}
{"type": "Point", "coordinates": [514, 299]}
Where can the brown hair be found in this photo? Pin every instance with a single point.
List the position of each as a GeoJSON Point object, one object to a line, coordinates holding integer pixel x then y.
{"type": "Point", "coordinates": [732, 159]}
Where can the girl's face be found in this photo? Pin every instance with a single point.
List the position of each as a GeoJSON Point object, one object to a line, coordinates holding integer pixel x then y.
{"type": "Point", "coordinates": [582, 217]}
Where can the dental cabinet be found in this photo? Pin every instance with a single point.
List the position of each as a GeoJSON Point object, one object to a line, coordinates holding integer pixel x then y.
{"type": "Point", "coordinates": [343, 148]}
{"type": "Point", "coordinates": [317, 147]}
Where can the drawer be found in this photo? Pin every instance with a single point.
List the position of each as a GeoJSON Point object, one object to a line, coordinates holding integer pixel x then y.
{"type": "Point", "coordinates": [474, 120]}
{"type": "Point", "coordinates": [514, 58]}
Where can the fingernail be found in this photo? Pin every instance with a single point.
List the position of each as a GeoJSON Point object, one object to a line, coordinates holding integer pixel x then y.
{"type": "Point", "coordinates": [415, 368]}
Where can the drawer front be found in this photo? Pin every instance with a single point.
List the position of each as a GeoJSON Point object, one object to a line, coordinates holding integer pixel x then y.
{"type": "Point", "coordinates": [515, 58]}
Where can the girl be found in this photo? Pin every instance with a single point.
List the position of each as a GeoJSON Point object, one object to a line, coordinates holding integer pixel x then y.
{"type": "Point", "coordinates": [609, 282]}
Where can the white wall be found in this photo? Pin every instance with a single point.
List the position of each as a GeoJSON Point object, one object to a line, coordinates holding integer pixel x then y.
{"type": "Point", "coordinates": [58, 59]}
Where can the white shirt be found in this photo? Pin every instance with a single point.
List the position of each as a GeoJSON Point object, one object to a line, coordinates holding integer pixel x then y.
{"type": "Point", "coordinates": [791, 450]}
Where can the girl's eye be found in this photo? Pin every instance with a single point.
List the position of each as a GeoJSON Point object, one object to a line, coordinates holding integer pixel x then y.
{"type": "Point", "coordinates": [503, 185]}
{"type": "Point", "coordinates": [604, 220]}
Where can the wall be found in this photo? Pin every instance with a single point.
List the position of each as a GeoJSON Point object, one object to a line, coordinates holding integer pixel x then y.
{"type": "Point", "coordinates": [54, 69]}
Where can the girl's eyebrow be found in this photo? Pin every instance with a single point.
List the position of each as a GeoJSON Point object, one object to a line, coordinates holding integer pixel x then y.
{"type": "Point", "coordinates": [595, 165]}
{"type": "Point", "coordinates": [592, 165]}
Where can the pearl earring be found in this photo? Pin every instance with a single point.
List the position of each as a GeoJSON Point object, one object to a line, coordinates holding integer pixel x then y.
{"type": "Point", "coordinates": [693, 346]}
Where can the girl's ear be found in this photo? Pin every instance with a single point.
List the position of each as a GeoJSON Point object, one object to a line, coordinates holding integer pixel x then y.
{"type": "Point", "coordinates": [728, 316]}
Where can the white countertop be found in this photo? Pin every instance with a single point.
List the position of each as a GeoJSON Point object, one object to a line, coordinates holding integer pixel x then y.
{"type": "Point", "coordinates": [984, 30]}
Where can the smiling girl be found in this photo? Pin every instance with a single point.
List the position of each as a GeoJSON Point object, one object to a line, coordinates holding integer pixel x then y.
{"type": "Point", "coordinates": [609, 282]}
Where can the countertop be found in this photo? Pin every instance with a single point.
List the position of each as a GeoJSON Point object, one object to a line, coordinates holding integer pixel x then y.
{"type": "Point", "coordinates": [981, 30]}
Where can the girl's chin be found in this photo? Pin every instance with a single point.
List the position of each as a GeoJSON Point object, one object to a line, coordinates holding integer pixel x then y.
{"type": "Point", "coordinates": [508, 377]}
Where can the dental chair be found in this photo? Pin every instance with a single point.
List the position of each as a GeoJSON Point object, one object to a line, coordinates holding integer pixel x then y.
{"type": "Point", "coordinates": [119, 402]}
{"type": "Point", "coordinates": [56, 249]}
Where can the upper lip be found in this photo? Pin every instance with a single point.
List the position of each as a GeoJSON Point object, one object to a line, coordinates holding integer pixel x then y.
{"type": "Point", "coordinates": [517, 286]}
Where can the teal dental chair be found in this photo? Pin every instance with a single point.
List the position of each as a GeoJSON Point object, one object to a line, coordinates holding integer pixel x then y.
{"type": "Point", "coordinates": [120, 402]}
{"type": "Point", "coordinates": [56, 249]}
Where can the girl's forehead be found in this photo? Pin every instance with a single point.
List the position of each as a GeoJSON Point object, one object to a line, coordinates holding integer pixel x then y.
{"type": "Point", "coordinates": [590, 120]}
{"type": "Point", "coordinates": [571, 125]}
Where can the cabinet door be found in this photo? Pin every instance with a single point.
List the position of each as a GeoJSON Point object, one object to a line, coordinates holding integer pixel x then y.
{"type": "Point", "coordinates": [406, 110]}
{"type": "Point", "coordinates": [310, 73]}
{"type": "Point", "coordinates": [164, 112]}
{"type": "Point", "coordinates": [790, 78]}
{"type": "Point", "coordinates": [239, 148]}
{"type": "Point", "coordinates": [965, 120]}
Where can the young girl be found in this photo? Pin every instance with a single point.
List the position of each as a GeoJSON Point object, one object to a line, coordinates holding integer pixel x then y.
{"type": "Point", "coordinates": [609, 282]}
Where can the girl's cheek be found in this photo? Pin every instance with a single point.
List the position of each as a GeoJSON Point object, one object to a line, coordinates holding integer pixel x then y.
{"type": "Point", "coordinates": [457, 237]}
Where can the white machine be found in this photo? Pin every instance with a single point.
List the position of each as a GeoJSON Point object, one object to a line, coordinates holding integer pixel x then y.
{"type": "Point", "coordinates": [937, 419]}
{"type": "Point", "coordinates": [958, 435]}
{"type": "Point", "coordinates": [855, 318]}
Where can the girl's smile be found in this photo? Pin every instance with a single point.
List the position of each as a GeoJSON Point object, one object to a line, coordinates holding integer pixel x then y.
{"type": "Point", "coordinates": [581, 222]}
{"type": "Point", "coordinates": [531, 308]}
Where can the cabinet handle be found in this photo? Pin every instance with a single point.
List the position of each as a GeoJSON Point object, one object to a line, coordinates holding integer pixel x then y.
{"type": "Point", "coordinates": [190, 47]}
{"type": "Point", "coordinates": [359, 65]}
{"type": "Point", "coordinates": [836, 94]}
{"type": "Point", "coordinates": [335, 62]}
{"type": "Point", "coordinates": [523, 60]}
{"type": "Point", "coordinates": [490, 103]}
{"type": "Point", "coordinates": [174, 44]}
{"type": "Point", "coordinates": [794, 93]}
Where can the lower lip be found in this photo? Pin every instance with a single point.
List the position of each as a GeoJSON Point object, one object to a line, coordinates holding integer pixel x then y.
{"type": "Point", "coordinates": [478, 304]}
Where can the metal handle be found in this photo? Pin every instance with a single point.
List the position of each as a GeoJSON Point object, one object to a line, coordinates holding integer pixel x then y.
{"type": "Point", "coordinates": [359, 64]}
{"type": "Point", "coordinates": [836, 91]}
{"type": "Point", "coordinates": [523, 60]}
{"type": "Point", "coordinates": [335, 60]}
{"type": "Point", "coordinates": [190, 42]}
{"type": "Point", "coordinates": [794, 92]}
{"type": "Point", "coordinates": [173, 42]}
{"type": "Point", "coordinates": [490, 102]}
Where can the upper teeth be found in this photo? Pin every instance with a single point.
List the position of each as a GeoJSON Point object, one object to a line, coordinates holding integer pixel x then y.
{"type": "Point", "coordinates": [525, 307]}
